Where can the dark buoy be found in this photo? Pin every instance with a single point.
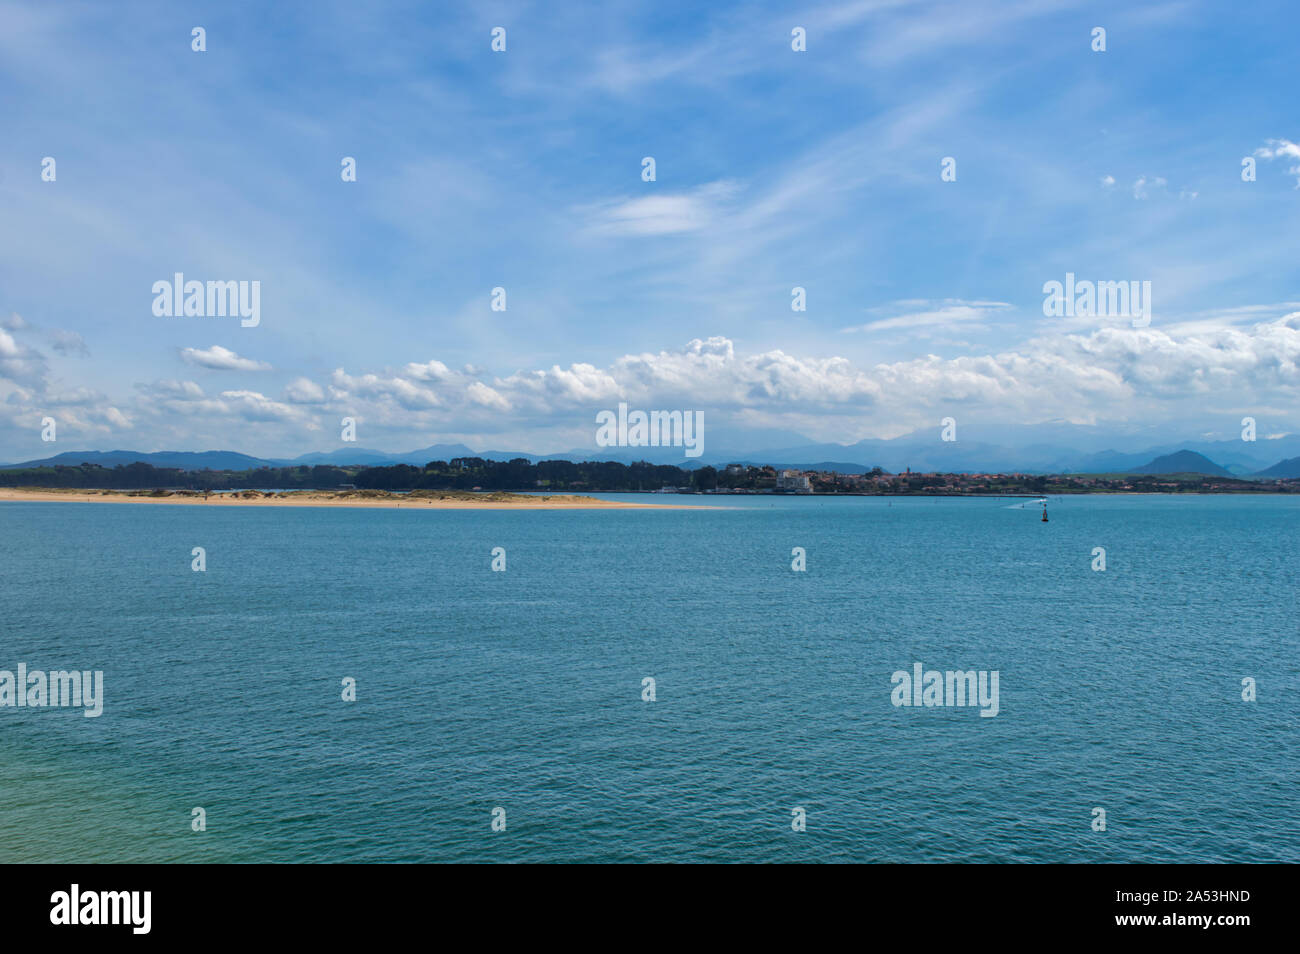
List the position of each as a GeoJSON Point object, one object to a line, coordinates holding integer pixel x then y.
{"type": "Point", "coordinates": [1044, 511]}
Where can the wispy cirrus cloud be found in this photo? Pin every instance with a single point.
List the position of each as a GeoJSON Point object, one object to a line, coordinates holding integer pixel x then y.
{"type": "Point", "coordinates": [661, 213]}
{"type": "Point", "coordinates": [948, 313]}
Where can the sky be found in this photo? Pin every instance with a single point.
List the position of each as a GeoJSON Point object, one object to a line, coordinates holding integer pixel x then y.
{"type": "Point", "coordinates": [775, 168]}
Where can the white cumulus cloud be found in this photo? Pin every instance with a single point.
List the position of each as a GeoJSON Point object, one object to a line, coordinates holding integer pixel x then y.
{"type": "Point", "coordinates": [221, 359]}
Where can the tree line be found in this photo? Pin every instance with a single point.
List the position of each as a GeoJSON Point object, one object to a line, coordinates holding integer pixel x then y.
{"type": "Point", "coordinates": [142, 476]}
{"type": "Point", "coordinates": [461, 473]}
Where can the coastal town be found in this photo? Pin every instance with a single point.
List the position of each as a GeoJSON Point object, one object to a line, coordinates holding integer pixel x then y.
{"type": "Point", "coordinates": [746, 479]}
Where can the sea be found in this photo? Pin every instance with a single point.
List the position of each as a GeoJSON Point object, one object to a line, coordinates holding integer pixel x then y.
{"type": "Point", "coordinates": [656, 685]}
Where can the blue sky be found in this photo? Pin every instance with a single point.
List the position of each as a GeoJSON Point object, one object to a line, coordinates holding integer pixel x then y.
{"type": "Point", "coordinates": [522, 169]}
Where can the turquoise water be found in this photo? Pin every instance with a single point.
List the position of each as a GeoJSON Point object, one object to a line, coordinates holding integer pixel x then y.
{"type": "Point", "coordinates": [1118, 689]}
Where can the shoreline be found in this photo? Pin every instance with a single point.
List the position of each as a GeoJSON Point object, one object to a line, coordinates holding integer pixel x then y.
{"type": "Point", "coordinates": [450, 500]}
{"type": "Point", "coordinates": [502, 500]}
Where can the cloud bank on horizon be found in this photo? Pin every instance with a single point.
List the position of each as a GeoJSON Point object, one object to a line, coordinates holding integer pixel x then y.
{"type": "Point", "coordinates": [843, 241]}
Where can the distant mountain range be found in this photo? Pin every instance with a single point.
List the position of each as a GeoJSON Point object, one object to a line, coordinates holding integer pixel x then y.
{"type": "Point", "coordinates": [925, 453]}
{"type": "Point", "coordinates": [921, 454]}
{"type": "Point", "coordinates": [185, 460]}
{"type": "Point", "coordinates": [232, 460]}
{"type": "Point", "coordinates": [1183, 462]}
{"type": "Point", "coordinates": [1286, 468]}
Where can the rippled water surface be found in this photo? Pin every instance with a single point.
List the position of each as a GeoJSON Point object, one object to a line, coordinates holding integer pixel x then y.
{"type": "Point", "coordinates": [1118, 689]}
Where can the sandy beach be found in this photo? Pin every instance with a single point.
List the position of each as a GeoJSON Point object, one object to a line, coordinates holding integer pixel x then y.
{"type": "Point", "coordinates": [423, 500]}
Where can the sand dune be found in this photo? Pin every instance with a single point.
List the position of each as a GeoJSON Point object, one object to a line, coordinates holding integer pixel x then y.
{"type": "Point", "coordinates": [421, 500]}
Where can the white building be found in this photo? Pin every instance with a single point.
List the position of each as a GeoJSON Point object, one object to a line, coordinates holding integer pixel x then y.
{"type": "Point", "coordinates": [793, 482]}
